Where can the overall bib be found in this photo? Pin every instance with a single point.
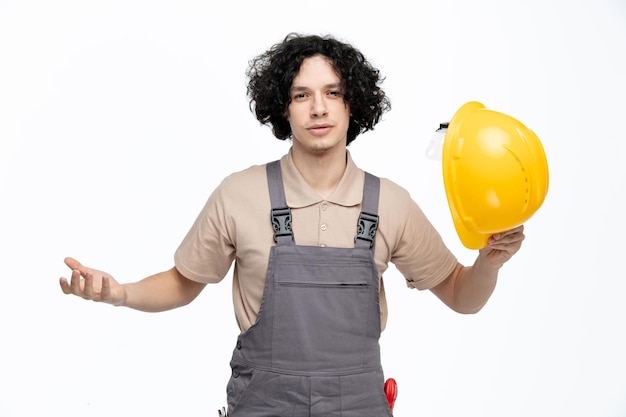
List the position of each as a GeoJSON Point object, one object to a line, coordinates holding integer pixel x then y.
{"type": "Point", "coordinates": [313, 350]}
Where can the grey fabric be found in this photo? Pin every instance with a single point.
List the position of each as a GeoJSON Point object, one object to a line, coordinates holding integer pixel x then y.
{"type": "Point", "coordinates": [313, 351]}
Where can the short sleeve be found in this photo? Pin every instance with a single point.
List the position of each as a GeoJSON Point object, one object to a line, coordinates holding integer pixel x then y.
{"type": "Point", "coordinates": [415, 247]}
{"type": "Point", "coordinates": [207, 251]}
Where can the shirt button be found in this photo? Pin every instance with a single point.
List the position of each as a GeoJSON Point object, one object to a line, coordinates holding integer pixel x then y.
{"type": "Point", "coordinates": [324, 207]}
{"type": "Point", "coordinates": [323, 227]}
{"type": "Point", "coordinates": [323, 245]}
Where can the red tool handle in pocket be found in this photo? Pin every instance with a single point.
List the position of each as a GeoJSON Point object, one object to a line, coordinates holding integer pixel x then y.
{"type": "Point", "coordinates": [391, 391]}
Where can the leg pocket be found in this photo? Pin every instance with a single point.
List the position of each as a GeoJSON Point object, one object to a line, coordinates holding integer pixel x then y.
{"type": "Point", "coordinates": [363, 395]}
{"type": "Point", "coordinates": [256, 393]}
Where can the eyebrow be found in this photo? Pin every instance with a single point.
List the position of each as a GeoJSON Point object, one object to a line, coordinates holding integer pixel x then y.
{"type": "Point", "coordinates": [302, 88]}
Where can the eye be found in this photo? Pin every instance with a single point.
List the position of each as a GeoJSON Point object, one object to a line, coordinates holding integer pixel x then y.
{"type": "Point", "coordinates": [336, 94]}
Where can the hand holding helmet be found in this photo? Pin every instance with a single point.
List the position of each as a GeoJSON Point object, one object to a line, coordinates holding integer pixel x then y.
{"type": "Point", "coordinates": [495, 173]}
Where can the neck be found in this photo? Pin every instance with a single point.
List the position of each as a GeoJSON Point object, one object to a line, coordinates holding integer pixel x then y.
{"type": "Point", "coordinates": [323, 171]}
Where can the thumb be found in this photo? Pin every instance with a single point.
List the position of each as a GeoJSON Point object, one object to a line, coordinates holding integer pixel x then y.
{"type": "Point", "coordinates": [72, 263]}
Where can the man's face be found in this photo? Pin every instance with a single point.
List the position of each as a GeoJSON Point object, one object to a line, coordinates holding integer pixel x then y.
{"type": "Point", "coordinates": [318, 115]}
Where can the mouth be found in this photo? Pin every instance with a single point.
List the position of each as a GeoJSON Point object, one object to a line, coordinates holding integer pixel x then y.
{"type": "Point", "coordinates": [320, 130]}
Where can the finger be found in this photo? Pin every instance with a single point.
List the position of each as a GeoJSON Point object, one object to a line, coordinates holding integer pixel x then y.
{"type": "Point", "coordinates": [72, 263]}
{"type": "Point", "coordinates": [515, 231]}
{"type": "Point", "coordinates": [510, 236]}
{"type": "Point", "coordinates": [507, 242]}
{"type": "Point", "coordinates": [65, 286]}
{"type": "Point", "coordinates": [75, 283]}
{"type": "Point", "coordinates": [88, 288]}
{"type": "Point", "coordinates": [105, 293]}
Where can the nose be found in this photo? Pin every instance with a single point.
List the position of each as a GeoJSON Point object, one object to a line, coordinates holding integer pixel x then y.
{"type": "Point", "coordinates": [318, 106]}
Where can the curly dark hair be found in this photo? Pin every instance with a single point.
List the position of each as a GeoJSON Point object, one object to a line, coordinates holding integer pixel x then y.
{"type": "Point", "coordinates": [271, 75]}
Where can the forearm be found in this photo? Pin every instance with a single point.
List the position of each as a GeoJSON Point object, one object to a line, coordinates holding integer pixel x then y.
{"type": "Point", "coordinates": [474, 285]}
{"type": "Point", "coordinates": [468, 288]}
{"type": "Point", "coordinates": [160, 292]}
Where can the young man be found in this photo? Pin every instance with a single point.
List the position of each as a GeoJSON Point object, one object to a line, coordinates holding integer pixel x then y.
{"type": "Point", "coordinates": [311, 236]}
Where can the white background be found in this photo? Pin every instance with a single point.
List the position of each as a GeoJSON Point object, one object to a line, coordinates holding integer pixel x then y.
{"type": "Point", "coordinates": [118, 118]}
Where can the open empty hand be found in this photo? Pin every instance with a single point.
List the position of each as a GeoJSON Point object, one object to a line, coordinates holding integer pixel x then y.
{"type": "Point", "coordinates": [92, 284]}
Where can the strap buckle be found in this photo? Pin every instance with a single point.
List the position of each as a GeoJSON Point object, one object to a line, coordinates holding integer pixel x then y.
{"type": "Point", "coordinates": [281, 221]}
{"type": "Point", "coordinates": [366, 228]}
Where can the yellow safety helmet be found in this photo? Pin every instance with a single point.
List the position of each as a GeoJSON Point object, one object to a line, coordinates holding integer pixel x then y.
{"type": "Point", "coordinates": [495, 173]}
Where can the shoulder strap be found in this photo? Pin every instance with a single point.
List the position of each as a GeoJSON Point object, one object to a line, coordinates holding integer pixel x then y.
{"type": "Point", "coordinates": [367, 224]}
{"type": "Point", "coordinates": [368, 219]}
{"type": "Point", "coordinates": [281, 213]}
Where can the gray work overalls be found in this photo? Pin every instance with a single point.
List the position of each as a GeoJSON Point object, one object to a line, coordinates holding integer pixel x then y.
{"type": "Point", "coordinates": [313, 350]}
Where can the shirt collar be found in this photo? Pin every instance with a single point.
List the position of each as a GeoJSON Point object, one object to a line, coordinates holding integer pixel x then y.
{"type": "Point", "coordinates": [349, 191]}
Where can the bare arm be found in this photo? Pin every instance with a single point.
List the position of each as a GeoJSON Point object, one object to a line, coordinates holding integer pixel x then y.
{"type": "Point", "coordinates": [163, 291]}
{"type": "Point", "coordinates": [467, 289]}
